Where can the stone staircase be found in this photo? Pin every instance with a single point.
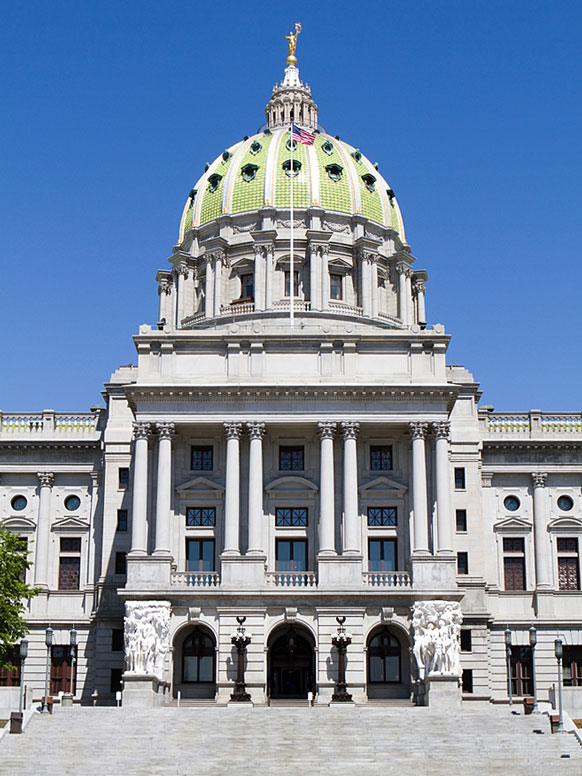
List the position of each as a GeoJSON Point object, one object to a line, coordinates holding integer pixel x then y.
{"type": "Point", "coordinates": [358, 740]}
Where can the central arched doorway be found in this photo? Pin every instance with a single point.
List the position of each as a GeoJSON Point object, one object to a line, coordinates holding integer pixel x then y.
{"type": "Point", "coordinates": [291, 663]}
{"type": "Point", "coordinates": [388, 664]}
{"type": "Point", "coordinates": [195, 663]}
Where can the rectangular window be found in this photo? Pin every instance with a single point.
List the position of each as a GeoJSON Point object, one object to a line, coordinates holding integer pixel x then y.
{"type": "Point", "coordinates": [115, 680]}
{"type": "Point", "coordinates": [381, 458]}
{"type": "Point", "coordinates": [69, 572]}
{"type": "Point", "coordinates": [202, 458]}
{"type": "Point", "coordinates": [200, 555]}
{"type": "Point", "coordinates": [201, 516]}
{"type": "Point", "coordinates": [460, 478]}
{"type": "Point", "coordinates": [123, 478]}
{"type": "Point", "coordinates": [461, 515]}
{"type": "Point", "coordinates": [10, 676]}
{"type": "Point", "coordinates": [568, 564]}
{"type": "Point", "coordinates": [247, 289]}
{"type": "Point", "coordinates": [514, 564]}
{"type": "Point", "coordinates": [466, 640]}
{"type": "Point", "coordinates": [121, 520]}
{"type": "Point", "coordinates": [572, 665]}
{"type": "Point", "coordinates": [521, 671]}
{"type": "Point", "coordinates": [462, 563]}
{"type": "Point", "coordinates": [467, 680]}
{"type": "Point", "coordinates": [290, 516]}
{"type": "Point", "coordinates": [295, 283]}
{"type": "Point", "coordinates": [61, 670]}
{"type": "Point", "coordinates": [335, 287]}
{"type": "Point", "coordinates": [121, 563]}
{"type": "Point", "coordinates": [382, 555]}
{"type": "Point", "coordinates": [291, 554]}
{"type": "Point", "coordinates": [291, 458]}
{"type": "Point", "coordinates": [381, 516]}
{"type": "Point", "coordinates": [70, 545]}
{"type": "Point", "coordinates": [117, 640]}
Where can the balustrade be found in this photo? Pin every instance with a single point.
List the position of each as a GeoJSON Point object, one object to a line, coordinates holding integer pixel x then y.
{"type": "Point", "coordinates": [291, 579]}
{"type": "Point", "coordinates": [195, 579]}
{"type": "Point", "coordinates": [387, 579]}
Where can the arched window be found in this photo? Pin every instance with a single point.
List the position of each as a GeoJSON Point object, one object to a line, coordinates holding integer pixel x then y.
{"type": "Point", "coordinates": [198, 658]}
{"type": "Point", "coordinates": [383, 658]}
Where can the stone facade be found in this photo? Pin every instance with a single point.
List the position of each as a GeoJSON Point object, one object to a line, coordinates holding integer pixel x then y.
{"type": "Point", "coordinates": [292, 460]}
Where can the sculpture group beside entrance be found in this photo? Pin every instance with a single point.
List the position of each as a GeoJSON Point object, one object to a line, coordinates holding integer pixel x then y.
{"type": "Point", "coordinates": [437, 626]}
{"type": "Point", "coordinates": [146, 636]}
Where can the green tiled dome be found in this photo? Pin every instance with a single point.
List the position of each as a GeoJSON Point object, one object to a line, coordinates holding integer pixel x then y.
{"type": "Point", "coordinates": [253, 173]}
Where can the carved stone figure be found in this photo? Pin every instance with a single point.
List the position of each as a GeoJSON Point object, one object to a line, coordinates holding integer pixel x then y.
{"type": "Point", "coordinates": [147, 636]}
{"type": "Point", "coordinates": [437, 625]}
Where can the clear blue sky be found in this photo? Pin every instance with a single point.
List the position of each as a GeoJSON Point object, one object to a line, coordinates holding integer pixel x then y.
{"type": "Point", "coordinates": [473, 110]}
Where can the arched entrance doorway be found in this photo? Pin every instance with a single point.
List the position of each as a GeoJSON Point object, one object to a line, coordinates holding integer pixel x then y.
{"type": "Point", "coordinates": [388, 664]}
{"type": "Point", "coordinates": [195, 663]}
{"type": "Point", "coordinates": [291, 663]}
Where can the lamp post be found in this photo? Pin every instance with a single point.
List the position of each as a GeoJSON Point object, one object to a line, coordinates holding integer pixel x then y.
{"type": "Point", "coordinates": [241, 639]}
{"type": "Point", "coordinates": [341, 642]}
{"type": "Point", "coordinates": [508, 658]}
{"type": "Point", "coordinates": [559, 652]}
{"type": "Point", "coordinates": [23, 656]}
{"type": "Point", "coordinates": [73, 643]}
{"type": "Point", "coordinates": [533, 640]}
{"type": "Point", "coordinates": [48, 640]}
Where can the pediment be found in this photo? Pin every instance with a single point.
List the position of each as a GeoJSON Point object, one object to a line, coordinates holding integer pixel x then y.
{"type": "Point", "coordinates": [200, 485]}
{"type": "Point", "coordinates": [339, 263]}
{"type": "Point", "coordinates": [243, 262]}
{"type": "Point", "coordinates": [20, 524]}
{"type": "Point", "coordinates": [513, 524]}
{"type": "Point", "coordinates": [291, 484]}
{"type": "Point", "coordinates": [383, 485]}
{"type": "Point", "coordinates": [70, 524]}
{"type": "Point", "coordinates": [567, 524]}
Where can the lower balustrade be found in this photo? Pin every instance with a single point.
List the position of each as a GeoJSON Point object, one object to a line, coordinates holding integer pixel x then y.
{"type": "Point", "coordinates": [195, 579]}
{"type": "Point", "coordinates": [291, 579]}
{"type": "Point", "coordinates": [387, 579]}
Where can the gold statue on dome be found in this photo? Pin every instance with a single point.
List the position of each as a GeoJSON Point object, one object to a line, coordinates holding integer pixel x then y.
{"type": "Point", "coordinates": [292, 38]}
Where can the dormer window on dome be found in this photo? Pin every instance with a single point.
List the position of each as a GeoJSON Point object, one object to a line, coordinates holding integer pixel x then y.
{"type": "Point", "coordinates": [291, 145]}
{"type": "Point", "coordinates": [214, 182]}
{"type": "Point", "coordinates": [357, 155]}
{"type": "Point", "coordinates": [327, 148]}
{"type": "Point", "coordinates": [249, 172]}
{"type": "Point", "coordinates": [226, 155]}
{"type": "Point", "coordinates": [287, 167]}
{"type": "Point", "coordinates": [334, 171]}
{"type": "Point", "coordinates": [369, 181]}
{"type": "Point", "coordinates": [255, 148]}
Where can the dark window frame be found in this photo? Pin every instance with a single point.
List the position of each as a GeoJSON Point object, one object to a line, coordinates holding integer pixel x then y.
{"type": "Point", "coordinates": [463, 563]}
{"type": "Point", "coordinates": [292, 541]}
{"type": "Point", "coordinates": [291, 458]}
{"type": "Point", "coordinates": [382, 541]}
{"type": "Point", "coordinates": [460, 478]}
{"type": "Point", "coordinates": [122, 521]}
{"type": "Point", "coordinates": [514, 567]}
{"type": "Point", "coordinates": [379, 650]}
{"type": "Point", "coordinates": [121, 563]}
{"type": "Point", "coordinates": [123, 478]}
{"type": "Point", "coordinates": [205, 519]}
{"type": "Point", "coordinates": [379, 454]}
{"type": "Point", "coordinates": [572, 666]}
{"type": "Point", "coordinates": [388, 517]}
{"type": "Point", "coordinates": [207, 648]}
{"type": "Point", "coordinates": [206, 453]}
{"type": "Point", "coordinates": [568, 553]}
{"type": "Point", "coordinates": [201, 541]}
{"type": "Point", "coordinates": [117, 640]}
{"type": "Point", "coordinates": [295, 517]}
{"type": "Point", "coordinates": [336, 286]}
{"type": "Point", "coordinates": [461, 520]}
{"type": "Point", "coordinates": [466, 640]}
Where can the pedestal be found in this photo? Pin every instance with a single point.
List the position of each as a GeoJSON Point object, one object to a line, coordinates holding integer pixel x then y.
{"type": "Point", "coordinates": [147, 572]}
{"type": "Point", "coordinates": [439, 692]}
{"type": "Point", "coordinates": [142, 691]}
{"type": "Point", "coordinates": [66, 700]}
{"type": "Point", "coordinates": [339, 571]}
{"type": "Point", "coordinates": [434, 573]}
{"type": "Point", "coordinates": [246, 571]}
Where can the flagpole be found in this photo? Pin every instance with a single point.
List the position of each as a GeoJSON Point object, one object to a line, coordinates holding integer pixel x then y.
{"type": "Point", "coordinates": [291, 257]}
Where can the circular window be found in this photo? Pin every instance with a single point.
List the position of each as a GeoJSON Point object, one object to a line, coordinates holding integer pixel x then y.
{"type": "Point", "coordinates": [511, 503]}
{"type": "Point", "coordinates": [18, 503]}
{"type": "Point", "coordinates": [565, 503]}
{"type": "Point", "coordinates": [72, 503]}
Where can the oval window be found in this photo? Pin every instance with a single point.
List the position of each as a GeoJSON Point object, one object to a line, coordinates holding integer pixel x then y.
{"type": "Point", "coordinates": [511, 503]}
{"type": "Point", "coordinates": [18, 503]}
{"type": "Point", "coordinates": [565, 503]}
{"type": "Point", "coordinates": [72, 503]}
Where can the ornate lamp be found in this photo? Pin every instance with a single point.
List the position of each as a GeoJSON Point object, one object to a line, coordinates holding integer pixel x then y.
{"type": "Point", "coordinates": [48, 640]}
{"type": "Point", "coordinates": [508, 658]}
{"type": "Point", "coordinates": [341, 642]}
{"type": "Point", "coordinates": [73, 644]}
{"type": "Point", "coordinates": [23, 656]}
{"type": "Point", "coordinates": [559, 652]}
{"type": "Point", "coordinates": [241, 639]}
{"type": "Point", "coordinates": [533, 640]}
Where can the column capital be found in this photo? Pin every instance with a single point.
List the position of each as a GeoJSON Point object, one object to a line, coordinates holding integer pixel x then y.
{"type": "Point", "coordinates": [326, 430]}
{"type": "Point", "coordinates": [403, 268]}
{"type": "Point", "coordinates": [539, 479]}
{"type": "Point", "coordinates": [233, 430]}
{"type": "Point", "coordinates": [166, 430]}
{"type": "Point", "coordinates": [256, 429]}
{"type": "Point", "coordinates": [418, 287]}
{"type": "Point", "coordinates": [350, 429]}
{"type": "Point", "coordinates": [442, 429]}
{"type": "Point", "coordinates": [418, 430]}
{"type": "Point", "coordinates": [181, 269]}
{"type": "Point", "coordinates": [141, 430]}
{"type": "Point", "coordinates": [165, 286]}
{"type": "Point", "coordinates": [46, 479]}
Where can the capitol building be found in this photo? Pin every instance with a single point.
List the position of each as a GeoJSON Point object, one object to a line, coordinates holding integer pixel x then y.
{"type": "Point", "coordinates": [293, 459]}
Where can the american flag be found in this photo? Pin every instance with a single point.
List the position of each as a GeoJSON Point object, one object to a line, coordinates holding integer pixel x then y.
{"type": "Point", "coordinates": [302, 135]}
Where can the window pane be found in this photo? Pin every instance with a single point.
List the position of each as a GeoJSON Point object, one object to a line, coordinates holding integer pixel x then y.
{"type": "Point", "coordinates": [459, 478]}
{"type": "Point", "coordinates": [375, 555]}
{"type": "Point", "coordinates": [568, 573]}
{"type": "Point", "coordinates": [462, 563]}
{"type": "Point", "coordinates": [514, 569]}
{"type": "Point", "coordinates": [190, 668]}
{"type": "Point", "coordinates": [382, 516]}
{"type": "Point", "coordinates": [122, 519]}
{"type": "Point", "coordinates": [461, 516]}
{"type": "Point", "coordinates": [335, 287]}
{"type": "Point", "coordinates": [376, 669]}
{"type": "Point", "coordinates": [70, 545]}
{"type": "Point", "coordinates": [283, 556]}
{"type": "Point", "coordinates": [123, 483]}
{"type": "Point", "coordinates": [193, 555]}
{"type": "Point", "coordinates": [205, 666]}
{"type": "Point", "coordinates": [291, 458]}
{"type": "Point", "coordinates": [299, 550]}
{"type": "Point", "coordinates": [202, 458]}
{"type": "Point", "coordinates": [381, 457]}
{"type": "Point", "coordinates": [201, 516]}
{"type": "Point", "coordinates": [392, 668]}
{"type": "Point", "coordinates": [513, 545]}
{"type": "Point", "coordinates": [291, 516]}
{"type": "Point", "coordinates": [69, 573]}
{"type": "Point", "coordinates": [568, 545]}
{"type": "Point", "coordinates": [208, 555]}
{"type": "Point", "coordinates": [295, 283]}
{"type": "Point", "coordinates": [389, 548]}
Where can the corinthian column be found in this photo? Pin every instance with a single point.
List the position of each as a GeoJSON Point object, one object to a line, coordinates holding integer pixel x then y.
{"type": "Point", "coordinates": [419, 502]}
{"type": "Point", "coordinates": [139, 512]}
{"type": "Point", "coordinates": [233, 433]}
{"type": "Point", "coordinates": [314, 277]}
{"type": "Point", "coordinates": [209, 288]}
{"type": "Point", "coordinates": [218, 282]}
{"type": "Point", "coordinates": [351, 525]}
{"type": "Point", "coordinates": [256, 432]}
{"type": "Point", "coordinates": [45, 480]}
{"type": "Point", "coordinates": [541, 540]}
{"type": "Point", "coordinates": [443, 483]}
{"type": "Point", "coordinates": [420, 287]}
{"type": "Point", "coordinates": [326, 490]}
{"type": "Point", "coordinates": [164, 489]}
{"type": "Point", "coordinates": [403, 305]}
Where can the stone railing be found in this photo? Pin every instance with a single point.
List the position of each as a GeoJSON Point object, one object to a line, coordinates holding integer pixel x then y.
{"type": "Point", "coordinates": [386, 579]}
{"type": "Point", "coordinates": [298, 305]}
{"type": "Point", "coordinates": [196, 318]}
{"type": "Point", "coordinates": [195, 579]}
{"type": "Point", "coordinates": [48, 423]}
{"type": "Point", "coordinates": [244, 308]}
{"type": "Point", "coordinates": [390, 318]}
{"type": "Point", "coordinates": [344, 309]}
{"type": "Point", "coordinates": [530, 423]}
{"type": "Point", "coordinates": [291, 579]}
